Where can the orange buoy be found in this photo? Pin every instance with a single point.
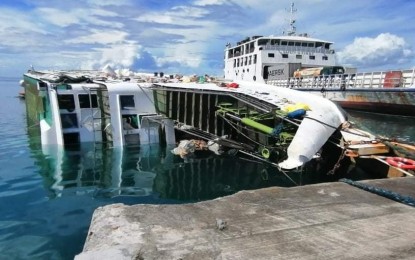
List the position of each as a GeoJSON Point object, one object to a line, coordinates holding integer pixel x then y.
{"type": "Point", "coordinates": [403, 163]}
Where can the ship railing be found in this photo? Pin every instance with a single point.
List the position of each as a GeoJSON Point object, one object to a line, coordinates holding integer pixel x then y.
{"type": "Point", "coordinates": [297, 49]}
{"type": "Point", "coordinates": [372, 80]}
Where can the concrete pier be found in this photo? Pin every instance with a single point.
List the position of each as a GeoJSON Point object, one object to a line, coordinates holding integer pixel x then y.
{"type": "Point", "coordinates": [323, 221]}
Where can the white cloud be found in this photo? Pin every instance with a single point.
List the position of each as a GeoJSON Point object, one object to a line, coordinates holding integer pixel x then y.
{"type": "Point", "coordinates": [209, 2]}
{"type": "Point", "coordinates": [117, 55]}
{"type": "Point", "coordinates": [13, 22]}
{"type": "Point", "coordinates": [64, 18]}
{"type": "Point", "coordinates": [100, 37]}
{"type": "Point", "coordinates": [110, 2]}
{"type": "Point", "coordinates": [385, 49]}
{"type": "Point", "coordinates": [178, 15]}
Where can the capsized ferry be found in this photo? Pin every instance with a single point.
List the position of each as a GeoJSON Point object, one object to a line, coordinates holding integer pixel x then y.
{"type": "Point", "coordinates": [303, 63]}
{"type": "Point", "coordinates": [284, 126]}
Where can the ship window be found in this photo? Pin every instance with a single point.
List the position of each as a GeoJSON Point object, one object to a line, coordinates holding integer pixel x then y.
{"type": "Point", "coordinates": [237, 62]}
{"type": "Point", "coordinates": [319, 44]}
{"type": "Point", "coordinates": [246, 61]}
{"type": "Point", "coordinates": [290, 43]}
{"type": "Point", "coordinates": [312, 57]}
{"type": "Point", "coordinates": [69, 121]}
{"type": "Point", "coordinates": [234, 63]}
{"type": "Point", "coordinates": [129, 122]}
{"type": "Point", "coordinates": [298, 56]}
{"type": "Point", "coordinates": [84, 101]}
{"type": "Point", "coordinates": [127, 101]}
{"type": "Point", "coordinates": [251, 47]}
{"type": "Point", "coordinates": [325, 58]}
{"type": "Point", "coordinates": [262, 41]}
{"type": "Point", "coordinates": [271, 55]}
{"type": "Point", "coordinates": [310, 44]}
{"type": "Point", "coordinates": [304, 44]}
{"type": "Point", "coordinates": [283, 43]}
{"type": "Point", "coordinates": [285, 55]}
{"type": "Point", "coordinates": [254, 58]}
{"type": "Point", "coordinates": [71, 138]}
{"type": "Point", "coordinates": [298, 44]}
{"type": "Point", "coordinates": [66, 102]}
{"type": "Point", "coordinates": [250, 59]}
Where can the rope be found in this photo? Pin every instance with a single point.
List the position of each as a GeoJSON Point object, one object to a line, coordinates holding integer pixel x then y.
{"type": "Point", "coordinates": [407, 200]}
{"type": "Point", "coordinates": [337, 165]}
{"type": "Point", "coordinates": [334, 127]}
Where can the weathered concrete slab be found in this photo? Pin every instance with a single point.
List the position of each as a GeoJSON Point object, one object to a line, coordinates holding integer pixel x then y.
{"type": "Point", "coordinates": [324, 221]}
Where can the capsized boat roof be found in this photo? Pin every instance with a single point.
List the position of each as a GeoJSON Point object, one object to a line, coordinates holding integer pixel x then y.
{"type": "Point", "coordinates": [315, 129]}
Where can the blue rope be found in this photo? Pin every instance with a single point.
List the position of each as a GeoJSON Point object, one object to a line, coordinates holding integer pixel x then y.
{"type": "Point", "coordinates": [277, 129]}
{"type": "Point", "coordinates": [382, 192]}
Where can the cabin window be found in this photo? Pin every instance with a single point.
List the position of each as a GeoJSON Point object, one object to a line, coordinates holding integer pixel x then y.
{"type": "Point", "coordinates": [254, 58]}
{"type": "Point", "coordinates": [47, 112]}
{"type": "Point", "coordinates": [298, 56]}
{"type": "Point", "coordinates": [234, 63]}
{"type": "Point", "coordinates": [325, 57]}
{"type": "Point", "coordinates": [285, 55]}
{"type": "Point", "coordinates": [310, 44]}
{"type": "Point", "coordinates": [298, 44]}
{"type": "Point", "coordinates": [283, 43]}
{"type": "Point", "coordinates": [71, 138]}
{"type": "Point", "coordinates": [250, 59]}
{"type": "Point", "coordinates": [237, 62]}
{"type": "Point", "coordinates": [312, 57]}
{"type": "Point", "coordinates": [304, 44]}
{"type": "Point", "coordinates": [69, 121]}
{"type": "Point", "coordinates": [271, 55]}
{"type": "Point", "coordinates": [319, 44]}
{"type": "Point", "coordinates": [66, 102]}
{"type": "Point", "coordinates": [84, 101]}
{"type": "Point", "coordinates": [129, 122]}
{"type": "Point", "coordinates": [251, 47]}
{"type": "Point", "coordinates": [262, 41]}
{"type": "Point", "coordinates": [246, 61]}
{"type": "Point", "coordinates": [275, 42]}
{"type": "Point", "coordinates": [127, 101]}
{"type": "Point", "coordinates": [290, 43]}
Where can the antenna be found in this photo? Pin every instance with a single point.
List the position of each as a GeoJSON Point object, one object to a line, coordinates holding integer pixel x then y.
{"type": "Point", "coordinates": [292, 29]}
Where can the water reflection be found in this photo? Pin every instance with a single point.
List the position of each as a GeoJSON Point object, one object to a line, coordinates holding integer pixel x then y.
{"type": "Point", "coordinates": [155, 171]}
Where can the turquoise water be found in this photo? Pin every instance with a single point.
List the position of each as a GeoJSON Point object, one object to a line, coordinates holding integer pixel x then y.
{"type": "Point", "coordinates": [47, 196]}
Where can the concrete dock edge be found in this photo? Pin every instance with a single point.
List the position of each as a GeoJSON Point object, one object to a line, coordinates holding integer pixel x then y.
{"type": "Point", "coordinates": [322, 221]}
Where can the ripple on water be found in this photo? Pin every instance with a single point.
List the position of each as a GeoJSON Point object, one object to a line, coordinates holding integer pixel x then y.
{"type": "Point", "coordinates": [29, 247]}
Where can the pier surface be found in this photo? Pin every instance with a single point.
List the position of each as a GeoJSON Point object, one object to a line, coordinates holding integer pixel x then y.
{"type": "Point", "coordinates": [322, 221]}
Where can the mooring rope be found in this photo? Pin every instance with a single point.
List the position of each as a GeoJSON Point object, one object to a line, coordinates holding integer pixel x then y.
{"type": "Point", "coordinates": [407, 200]}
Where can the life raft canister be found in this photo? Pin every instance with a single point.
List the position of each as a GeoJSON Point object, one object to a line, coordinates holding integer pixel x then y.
{"type": "Point", "coordinates": [403, 163]}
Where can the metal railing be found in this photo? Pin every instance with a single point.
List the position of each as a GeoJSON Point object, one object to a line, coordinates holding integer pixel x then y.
{"type": "Point", "coordinates": [383, 79]}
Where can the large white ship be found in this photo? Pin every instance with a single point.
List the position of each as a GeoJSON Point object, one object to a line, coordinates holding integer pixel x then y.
{"type": "Point", "coordinates": [304, 63]}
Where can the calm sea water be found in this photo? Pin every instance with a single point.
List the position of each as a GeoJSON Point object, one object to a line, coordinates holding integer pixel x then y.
{"type": "Point", "coordinates": [47, 196]}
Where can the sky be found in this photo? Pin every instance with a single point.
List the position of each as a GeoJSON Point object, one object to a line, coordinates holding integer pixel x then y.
{"type": "Point", "coordinates": [189, 36]}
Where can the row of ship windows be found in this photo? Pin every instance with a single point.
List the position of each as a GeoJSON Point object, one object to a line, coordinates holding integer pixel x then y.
{"type": "Point", "coordinates": [248, 60]}
{"type": "Point", "coordinates": [297, 56]}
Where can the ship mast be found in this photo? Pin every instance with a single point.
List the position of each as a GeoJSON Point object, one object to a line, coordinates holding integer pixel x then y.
{"type": "Point", "coordinates": [292, 29]}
